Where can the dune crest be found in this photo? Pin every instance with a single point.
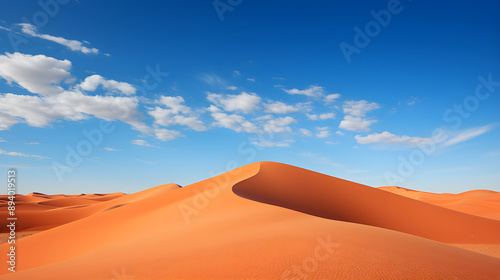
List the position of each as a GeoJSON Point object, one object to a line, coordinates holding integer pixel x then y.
{"type": "Point", "coordinates": [333, 198]}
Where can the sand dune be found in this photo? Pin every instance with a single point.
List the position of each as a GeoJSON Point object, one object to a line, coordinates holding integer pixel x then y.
{"type": "Point", "coordinates": [261, 221]}
{"type": "Point", "coordinates": [483, 203]}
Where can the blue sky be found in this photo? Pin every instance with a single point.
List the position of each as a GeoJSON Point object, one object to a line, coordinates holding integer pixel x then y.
{"type": "Point", "coordinates": [105, 96]}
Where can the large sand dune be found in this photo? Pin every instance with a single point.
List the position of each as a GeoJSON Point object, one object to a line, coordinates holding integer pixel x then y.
{"type": "Point", "coordinates": [261, 221]}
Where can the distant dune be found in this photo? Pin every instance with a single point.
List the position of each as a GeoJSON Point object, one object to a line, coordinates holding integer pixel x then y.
{"type": "Point", "coordinates": [265, 220]}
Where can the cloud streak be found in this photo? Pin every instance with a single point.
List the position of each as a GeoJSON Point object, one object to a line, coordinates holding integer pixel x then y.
{"type": "Point", "coordinates": [16, 154]}
{"type": "Point", "coordinates": [73, 45]}
{"type": "Point", "coordinates": [468, 134]}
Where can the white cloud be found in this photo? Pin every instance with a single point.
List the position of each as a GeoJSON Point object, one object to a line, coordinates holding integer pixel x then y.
{"type": "Point", "coordinates": [279, 125]}
{"type": "Point", "coordinates": [41, 75]}
{"type": "Point", "coordinates": [73, 45]}
{"type": "Point", "coordinates": [26, 108]}
{"type": "Point", "coordinates": [355, 124]}
{"type": "Point", "coordinates": [311, 91]}
{"type": "Point", "coordinates": [16, 154]}
{"type": "Point", "coordinates": [237, 72]}
{"type": "Point", "coordinates": [38, 74]}
{"type": "Point", "coordinates": [232, 88]}
{"type": "Point", "coordinates": [244, 102]}
{"type": "Point", "coordinates": [234, 122]}
{"type": "Point", "coordinates": [142, 143]}
{"type": "Point", "coordinates": [166, 134]}
{"type": "Point", "coordinates": [306, 132]}
{"type": "Point", "coordinates": [312, 117]}
{"type": "Point", "coordinates": [339, 133]}
{"type": "Point", "coordinates": [103, 107]}
{"type": "Point", "coordinates": [330, 98]}
{"type": "Point", "coordinates": [174, 103]}
{"type": "Point", "coordinates": [324, 116]}
{"type": "Point", "coordinates": [282, 144]}
{"type": "Point", "coordinates": [354, 111]}
{"type": "Point", "coordinates": [359, 108]}
{"type": "Point", "coordinates": [41, 111]}
{"type": "Point", "coordinates": [109, 149]}
{"type": "Point", "coordinates": [191, 122]}
{"type": "Point", "coordinates": [172, 115]}
{"type": "Point", "coordinates": [323, 132]}
{"type": "Point", "coordinates": [92, 82]}
{"type": "Point", "coordinates": [251, 79]}
{"type": "Point", "coordinates": [468, 134]}
{"type": "Point", "coordinates": [389, 138]}
{"type": "Point", "coordinates": [278, 107]}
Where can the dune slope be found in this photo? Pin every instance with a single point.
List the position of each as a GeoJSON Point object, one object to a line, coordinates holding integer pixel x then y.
{"type": "Point", "coordinates": [255, 222]}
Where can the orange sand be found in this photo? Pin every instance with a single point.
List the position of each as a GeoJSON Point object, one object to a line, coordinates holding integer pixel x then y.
{"type": "Point", "coordinates": [261, 221]}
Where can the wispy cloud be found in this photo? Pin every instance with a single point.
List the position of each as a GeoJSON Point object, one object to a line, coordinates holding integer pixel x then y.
{"type": "Point", "coordinates": [412, 100]}
{"type": "Point", "coordinates": [330, 98]}
{"type": "Point", "coordinates": [389, 138]}
{"type": "Point", "coordinates": [215, 80]}
{"type": "Point", "coordinates": [282, 144]}
{"type": "Point", "coordinates": [324, 116]}
{"type": "Point", "coordinates": [311, 91]}
{"type": "Point", "coordinates": [73, 45]}
{"type": "Point", "coordinates": [306, 132]}
{"type": "Point", "coordinates": [468, 134]}
{"type": "Point", "coordinates": [142, 143]}
{"type": "Point", "coordinates": [16, 154]}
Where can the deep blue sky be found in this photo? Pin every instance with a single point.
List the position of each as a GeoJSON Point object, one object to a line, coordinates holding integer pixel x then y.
{"type": "Point", "coordinates": [230, 73]}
